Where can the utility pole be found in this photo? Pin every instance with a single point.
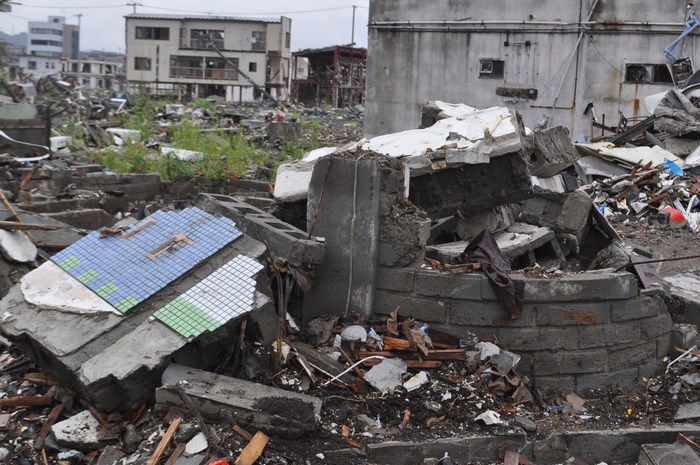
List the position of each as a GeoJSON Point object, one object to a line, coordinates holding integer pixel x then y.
{"type": "Point", "coordinates": [80, 79]}
{"type": "Point", "coordinates": [352, 41]}
{"type": "Point", "coordinates": [134, 4]}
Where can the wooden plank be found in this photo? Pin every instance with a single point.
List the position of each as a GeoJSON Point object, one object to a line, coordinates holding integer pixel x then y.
{"type": "Point", "coordinates": [26, 401]}
{"type": "Point", "coordinates": [155, 458]}
{"type": "Point", "coordinates": [16, 226]}
{"type": "Point", "coordinates": [179, 450]}
{"type": "Point", "coordinates": [444, 354]}
{"type": "Point", "coordinates": [243, 432]}
{"type": "Point", "coordinates": [252, 451]}
{"type": "Point", "coordinates": [394, 343]}
{"type": "Point", "coordinates": [511, 458]}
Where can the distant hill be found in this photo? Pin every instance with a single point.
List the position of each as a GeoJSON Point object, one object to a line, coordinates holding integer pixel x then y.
{"type": "Point", "coordinates": [17, 39]}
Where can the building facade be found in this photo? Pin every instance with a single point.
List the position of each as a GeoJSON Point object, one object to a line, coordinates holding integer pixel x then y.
{"type": "Point", "coordinates": [53, 38]}
{"type": "Point", "coordinates": [332, 75]}
{"type": "Point", "coordinates": [552, 60]}
{"type": "Point", "coordinates": [168, 53]}
{"type": "Point", "coordinates": [94, 74]}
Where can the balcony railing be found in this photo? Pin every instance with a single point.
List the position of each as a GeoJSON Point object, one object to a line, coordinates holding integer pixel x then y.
{"type": "Point", "coordinates": [202, 73]}
{"type": "Point", "coordinates": [200, 44]}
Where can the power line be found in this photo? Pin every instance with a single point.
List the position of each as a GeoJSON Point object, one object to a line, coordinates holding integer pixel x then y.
{"type": "Point", "coordinates": [73, 7]}
{"type": "Point", "coordinates": [270, 13]}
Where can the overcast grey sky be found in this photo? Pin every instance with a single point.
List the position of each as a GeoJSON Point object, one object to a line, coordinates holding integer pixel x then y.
{"type": "Point", "coordinates": [315, 23]}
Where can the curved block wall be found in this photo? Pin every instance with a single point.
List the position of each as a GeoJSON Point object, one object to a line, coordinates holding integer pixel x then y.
{"type": "Point", "coordinates": [582, 331]}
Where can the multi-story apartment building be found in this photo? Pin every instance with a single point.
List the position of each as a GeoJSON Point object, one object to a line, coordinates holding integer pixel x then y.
{"type": "Point", "coordinates": [170, 53]}
{"type": "Point", "coordinates": [47, 43]}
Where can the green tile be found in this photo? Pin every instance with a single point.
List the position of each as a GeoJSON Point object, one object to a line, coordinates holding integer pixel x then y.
{"type": "Point", "coordinates": [106, 290]}
{"type": "Point", "coordinates": [69, 262]}
{"type": "Point", "coordinates": [185, 318]}
{"type": "Point", "coordinates": [88, 276]}
{"type": "Point", "coordinates": [125, 304]}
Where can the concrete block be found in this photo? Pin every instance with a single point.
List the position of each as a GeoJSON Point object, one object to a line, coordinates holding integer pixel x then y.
{"type": "Point", "coordinates": [283, 131]}
{"type": "Point", "coordinates": [431, 310]}
{"type": "Point", "coordinates": [573, 362]}
{"type": "Point", "coordinates": [283, 240]}
{"type": "Point", "coordinates": [400, 280]}
{"type": "Point", "coordinates": [454, 286]}
{"type": "Point", "coordinates": [583, 287]}
{"type": "Point", "coordinates": [539, 339]}
{"type": "Point", "coordinates": [269, 409]}
{"type": "Point", "coordinates": [563, 213]}
{"type": "Point", "coordinates": [552, 152]}
{"type": "Point", "coordinates": [632, 355]}
{"type": "Point", "coordinates": [577, 313]}
{"type": "Point", "coordinates": [656, 326]}
{"type": "Point", "coordinates": [600, 380]}
{"type": "Point", "coordinates": [474, 313]}
{"type": "Point", "coordinates": [636, 308]}
{"type": "Point", "coordinates": [472, 187]}
{"type": "Point", "coordinates": [609, 334]}
{"type": "Point", "coordinates": [292, 181]}
{"type": "Point", "coordinates": [333, 194]}
{"type": "Point", "coordinates": [398, 254]}
{"type": "Point", "coordinates": [556, 382]}
{"type": "Point", "coordinates": [688, 411]}
{"type": "Point", "coordinates": [78, 432]}
{"type": "Point", "coordinates": [668, 454]}
{"type": "Point", "coordinates": [90, 219]}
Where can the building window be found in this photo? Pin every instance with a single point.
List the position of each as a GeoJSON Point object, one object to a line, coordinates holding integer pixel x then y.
{"type": "Point", "coordinates": [648, 74]}
{"type": "Point", "coordinates": [41, 30]}
{"type": "Point", "coordinates": [31, 65]}
{"type": "Point", "coordinates": [47, 65]}
{"type": "Point", "coordinates": [198, 68]}
{"type": "Point", "coordinates": [47, 42]}
{"type": "Point", "coordinates": [152, 33]}
{"type": "Point", "coordinates": [142, 63]}
{"type": "Point", "coordinates": [53, 65]}
{"type": "Point", "coordinates": [259, 40]}
{"type": "Point", "coordinates": [199, 38]}
{"type": "Point", "coordinates": [287, 40]}
{"type": "Point", "coordinates": [46, 54]}
{"type": "Point", "coordinates": [252, 66]}
{"type": "Point", "coordinates": [491, 69]}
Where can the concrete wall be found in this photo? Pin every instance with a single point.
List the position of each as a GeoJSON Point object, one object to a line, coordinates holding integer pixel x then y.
{"type": "Point", "coordinates": [415, 56]}
{"type": "Point", "coordinates": [577, 332]}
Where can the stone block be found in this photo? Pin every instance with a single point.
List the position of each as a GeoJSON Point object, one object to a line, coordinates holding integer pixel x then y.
{"type": "Point", "coordinates": [292, 181]}
{"type": "Point", "coordinates": [286, 131]}
{"type": "Point", "coordinates": [272, 410]}
{"type": "Point", "coordinates": [577, 313]}
{"type": "Point", "coordinates": [556, 382]}
{"type": "Point", "coordinates": [431, 310]}
{"type": "Point", "coordinates": [399, 254]}
{"type": "Point", "coordinates": [78, 432]}
{"type": "Point", "coordinates": [600, 380]}
{"type": "Point", "coordinates": [636, 308]}
{"type": "Point", "coordinates": [390, 279]}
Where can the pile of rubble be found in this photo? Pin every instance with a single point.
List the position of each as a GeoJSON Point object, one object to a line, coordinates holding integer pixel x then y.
{"type": "Point", "coordinates": [353, 315]}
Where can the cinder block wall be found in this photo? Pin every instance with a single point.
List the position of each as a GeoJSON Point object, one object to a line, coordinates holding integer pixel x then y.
{"type": "Point", "coordinates": [582, 331]}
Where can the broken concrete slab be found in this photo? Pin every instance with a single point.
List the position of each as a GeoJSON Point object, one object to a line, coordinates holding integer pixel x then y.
{"type": "Point", "coordinates": [436, 110]}
{"type": "Point", "coordinates": [688, 412]}
{"type": "Point", "coordinates": [684, 294]}
{"type": "Point", "coordinates": [343, 207]}
{"type": "Point", "coordinates": [17, 247]}
{"type": "Point", "coordinates": [50, 287]}
{"type": "Point", "coordinates": [668, 454]}
{"type": "Point", "coordinates": [471, 223]}
{"type": "Point", "coordinates": [292, 181]}
{"type": "Point", "coordinates": [472, 138]}
{"type": "Point", "coordinates": [505, 179]}
{"type": "Point", "coordinates": [269, 409]}
{"type": "Point", "coordinates": [90, 219]}
{"type": "Point", "coordinates": [552, 152]}
{"type": "Point", "coordinates": [110, 455]}
{"type": "Point", "coordinates": [283, 131]}
{"type": "Point", "coordinates": [93, 353]}
{"type": "Point", "coordinates": [520, 242]}
{"type": "Point", "coordinates": [78, 432]}
{"type": "Point", "coordinates": [284, 241]}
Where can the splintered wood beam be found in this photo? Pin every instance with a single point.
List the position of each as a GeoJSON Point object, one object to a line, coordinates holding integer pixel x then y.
{"type": "Point", "coordinates": [155, 458]}
{"type": "Point", "coordinates": [252, 451]}
{"type": "Point", "coordinates": [17, 226]}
